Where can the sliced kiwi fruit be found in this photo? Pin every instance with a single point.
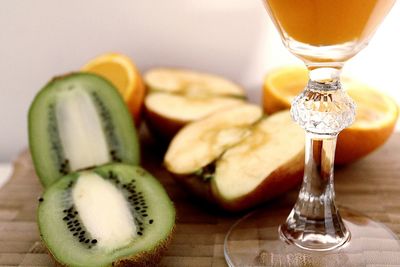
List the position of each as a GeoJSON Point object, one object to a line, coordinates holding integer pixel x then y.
{"type": "Point", "coordinates": [114, 215]}
{"type": "Point", "coordinates": [79, 121]}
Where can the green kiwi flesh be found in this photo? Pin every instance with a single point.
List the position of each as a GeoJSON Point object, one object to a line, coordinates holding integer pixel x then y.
{"type": "Point", "coordinates": [114, 215]}
{"type": "Point", "coordinates": [76, 122]}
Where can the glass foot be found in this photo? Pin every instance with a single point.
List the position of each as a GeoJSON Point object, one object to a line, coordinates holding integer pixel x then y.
{"type": "Point", "coordinates": [255, 241]}
{"type": "Point", "coordinates": [312, 240]}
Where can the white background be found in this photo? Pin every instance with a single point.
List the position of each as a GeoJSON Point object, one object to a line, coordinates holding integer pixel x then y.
{"type": "Point", "coordinates": [235, 38]}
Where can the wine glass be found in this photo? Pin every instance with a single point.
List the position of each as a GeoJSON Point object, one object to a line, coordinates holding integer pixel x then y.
{"type": "Point", "coordinates": [324, 34]}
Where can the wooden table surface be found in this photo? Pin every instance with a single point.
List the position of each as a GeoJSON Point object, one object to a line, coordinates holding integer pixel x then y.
{"type": "Point", "coordinates": [371, 186]}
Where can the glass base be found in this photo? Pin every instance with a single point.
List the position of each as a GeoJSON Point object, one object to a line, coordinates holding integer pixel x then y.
{"type": "Point", "coordinates": [312, 240]}
{"type": "Point", "coordinates": [255, 241]}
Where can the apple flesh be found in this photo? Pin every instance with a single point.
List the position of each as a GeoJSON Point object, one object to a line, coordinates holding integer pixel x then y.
{"type": "Point", "coordinates": [238, 158]}
{"type": "Point", "coordinates": [176, 97]}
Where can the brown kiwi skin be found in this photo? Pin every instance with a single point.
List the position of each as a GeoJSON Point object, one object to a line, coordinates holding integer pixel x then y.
{"type": "Point", "coordinates": [149, 258]}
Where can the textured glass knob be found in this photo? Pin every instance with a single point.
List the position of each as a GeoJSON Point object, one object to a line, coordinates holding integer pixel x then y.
{"type": "Point", "coordinates": [323, 108]}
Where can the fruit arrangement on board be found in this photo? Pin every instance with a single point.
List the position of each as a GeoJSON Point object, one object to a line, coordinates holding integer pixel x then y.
{"type": "Point", "coordinates": [100, 208]}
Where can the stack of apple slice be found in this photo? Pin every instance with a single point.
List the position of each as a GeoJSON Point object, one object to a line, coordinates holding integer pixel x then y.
{"type": "Point", "coordinates": [176, 97]}
{"type": "Point", "coordinates": [238, 158]}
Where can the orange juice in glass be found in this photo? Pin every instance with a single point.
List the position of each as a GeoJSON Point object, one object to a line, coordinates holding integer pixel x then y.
{"type": "Point", "coordinates": [337, 29]}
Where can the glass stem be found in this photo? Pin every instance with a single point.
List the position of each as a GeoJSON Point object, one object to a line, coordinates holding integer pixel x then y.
{"type": "Point", "coordinates": [316, 198]}
{"type": "Point", "coordinates": [323, 110]}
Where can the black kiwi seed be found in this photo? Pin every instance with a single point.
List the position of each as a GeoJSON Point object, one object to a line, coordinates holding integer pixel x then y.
{"type": "Point", "coordinates": [65, 218]}
{"type": "Point", "coordinates": [78, 229]}
{"type": "Point", "coordinates": [94, 241]}
{"type": "Point", "coordinates": [139, 233]}
{"type": "Point", "coordinates": [41, 199]}
{"type": "Point", "coordinates": [151, 221]}
{"type": "Point", "coordinates": [82, 232]}
{"type": "Point", "coordinates": [87, 241]}
{"type": "Point", "coordinates": [75, 234]}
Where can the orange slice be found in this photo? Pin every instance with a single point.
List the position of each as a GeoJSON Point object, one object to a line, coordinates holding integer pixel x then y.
{"type": "Point", "coordinates": [376, 113]}
{"type": "Point", "coordinates": [281, 86]}
{"type": "Point", "coordinates": [123, 74]}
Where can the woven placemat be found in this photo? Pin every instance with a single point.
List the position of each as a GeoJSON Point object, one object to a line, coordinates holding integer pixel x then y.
{"type": "Point", "coordinates": [371, 186]}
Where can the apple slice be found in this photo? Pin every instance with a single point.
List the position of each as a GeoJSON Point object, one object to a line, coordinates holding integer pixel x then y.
{"type": "Point", "coordinates": [237, 158]}
{"type": "Point", "coordinates": [177, 97]}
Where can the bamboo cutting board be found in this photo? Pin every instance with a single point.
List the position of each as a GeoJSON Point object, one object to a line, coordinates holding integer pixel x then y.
{"type": "Point", "coordinates": [371, 186]}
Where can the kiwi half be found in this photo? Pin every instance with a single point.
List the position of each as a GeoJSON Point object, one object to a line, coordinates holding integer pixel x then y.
{"type": "Point", "coordinates": [76, 122]}
{"type": "Point", "coordinates": [114, 215]}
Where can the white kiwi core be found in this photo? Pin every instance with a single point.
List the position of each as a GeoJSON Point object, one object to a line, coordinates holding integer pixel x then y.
{"type": "Point", "coordinates": [80, 130]}
{"type": "Point", "coordinates": [104, 211]}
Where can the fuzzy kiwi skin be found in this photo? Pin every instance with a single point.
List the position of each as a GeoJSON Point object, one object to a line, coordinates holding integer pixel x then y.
{"type": "Point", "coordinates": [147, 257]}
{"type": "Point", "coordinates": [49, 174]}
{"type": "Point", "coordinates": [144, 259]}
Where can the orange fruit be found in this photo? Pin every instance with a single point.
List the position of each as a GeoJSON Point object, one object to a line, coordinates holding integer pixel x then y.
{"type": "Point", "coordinates": [376, 113]}
{"type": "Point", "coordinates": [281, 86]}
{"type": "Point", "coordinates": [123, 74]}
